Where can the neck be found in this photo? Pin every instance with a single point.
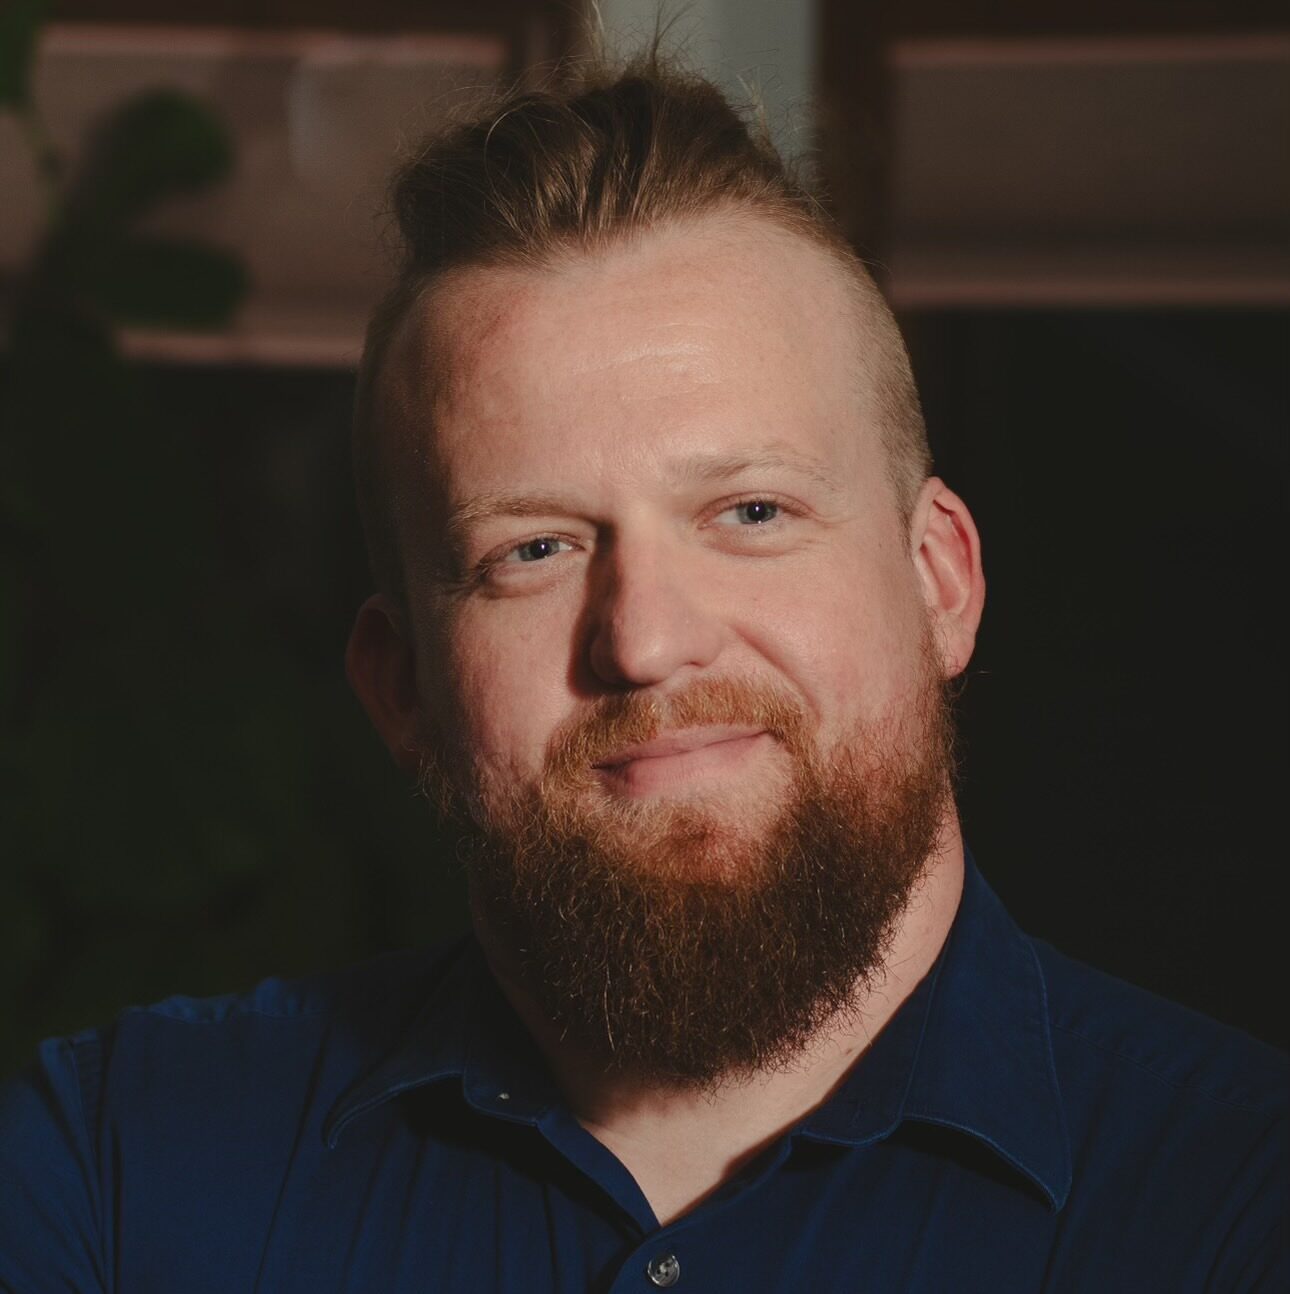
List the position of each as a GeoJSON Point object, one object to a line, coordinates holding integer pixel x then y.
{"type": "Point", "coordinates": [681, 1144]}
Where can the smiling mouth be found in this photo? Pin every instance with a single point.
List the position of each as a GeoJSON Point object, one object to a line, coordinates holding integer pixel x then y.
{"type": "Point", "coordinates": [676, 759]}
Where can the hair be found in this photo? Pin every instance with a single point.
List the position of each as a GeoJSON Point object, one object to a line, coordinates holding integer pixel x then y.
{"type": "Point", "coordinates": [605, 155]}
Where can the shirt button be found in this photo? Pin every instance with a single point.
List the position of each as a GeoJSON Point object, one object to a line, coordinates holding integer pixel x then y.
{"type": "Point", "coordinates": [664, 1270]}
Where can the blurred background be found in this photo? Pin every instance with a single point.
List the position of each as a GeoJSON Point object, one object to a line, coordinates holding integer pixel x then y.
{"type": "Point", "coordinates": [1081, 213]}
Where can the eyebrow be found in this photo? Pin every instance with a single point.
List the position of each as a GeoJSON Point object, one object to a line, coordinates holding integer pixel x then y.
{"type": "Point", "coordinates": [502, 503]}
{"type": "Point", "coordinates": [703, 468]}
{"type": "Point", "coordinates": [720, 467]}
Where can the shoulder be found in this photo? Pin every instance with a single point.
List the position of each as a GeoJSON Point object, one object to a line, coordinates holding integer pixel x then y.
{"type": "Point", "coordinates": [388, 979]}
{"type": "Point", "coordinates": [210, 1095]}
{"type": "Point", "coordinates": [1104, 1026]}
{"type": "Point", "coordinates": [285, 1042]}
{"type": "Point", "coordinates": [187, 1052]}
{"type": "Point", "coordinates": [1177, 1128]}
{"type": "Point", "coordinates": [352, 1014]}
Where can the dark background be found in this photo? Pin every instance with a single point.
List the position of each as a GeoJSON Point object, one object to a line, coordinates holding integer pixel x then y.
{"type": "Point", "coordinates": [194, 799]}
{"type": "Point", "coordinates": [1123, 761]}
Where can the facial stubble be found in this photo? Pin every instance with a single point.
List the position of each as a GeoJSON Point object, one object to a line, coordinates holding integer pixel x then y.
{"type": "Point", "coordinates": [674, 943]}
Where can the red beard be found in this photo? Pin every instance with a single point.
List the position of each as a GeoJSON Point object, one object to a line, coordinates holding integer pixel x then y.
{"type": "Point", "coordinates": [681, 947]}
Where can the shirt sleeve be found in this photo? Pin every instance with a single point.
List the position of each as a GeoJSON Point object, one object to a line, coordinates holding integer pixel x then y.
{"type": "Point", "coordinates": [50, 1205]}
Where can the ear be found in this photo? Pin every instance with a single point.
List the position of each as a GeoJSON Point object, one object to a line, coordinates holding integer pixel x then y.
{"type": "Point", "coordinates": [947, 555]}
{"type": "Point", "coordinates": [380, 662]}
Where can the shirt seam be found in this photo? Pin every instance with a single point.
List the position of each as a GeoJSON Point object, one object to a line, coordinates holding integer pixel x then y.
{"type": "Point", "coordinates": [1055, 1086]}
{"type": "Point", "coordinates": [1248, 1107]}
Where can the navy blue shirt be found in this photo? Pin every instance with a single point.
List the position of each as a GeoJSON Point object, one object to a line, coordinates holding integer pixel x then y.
{"type": "Point", "coordinates": [1022, 1123]}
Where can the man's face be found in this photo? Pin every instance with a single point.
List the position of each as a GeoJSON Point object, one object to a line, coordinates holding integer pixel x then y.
{"type": "Point", "coordinates": [652, 468]}
{"type": "Point", "coordinates": [675, 663]}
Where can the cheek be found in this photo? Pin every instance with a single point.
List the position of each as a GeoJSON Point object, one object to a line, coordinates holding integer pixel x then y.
{"type": "Point", "coordinates": [504, 683]}
{"type": "Point", "coordinates": [846, 637]}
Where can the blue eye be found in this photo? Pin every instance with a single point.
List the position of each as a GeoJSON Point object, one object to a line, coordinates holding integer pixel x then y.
{"type": "Point", "coordinates": [756, 512]}
{"type": "Point", "coordinates": [535, 550]}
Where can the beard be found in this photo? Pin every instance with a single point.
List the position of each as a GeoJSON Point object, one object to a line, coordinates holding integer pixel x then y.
{"type": "Point", "coordinates": [679, 943]}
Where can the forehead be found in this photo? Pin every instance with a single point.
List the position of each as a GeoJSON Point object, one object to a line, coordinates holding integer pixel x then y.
{"type": "Point", "coordinates": [724, 336]}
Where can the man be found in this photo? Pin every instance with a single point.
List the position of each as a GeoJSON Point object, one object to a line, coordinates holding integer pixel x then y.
{"type": "Point", "coordinates": [668, 607]}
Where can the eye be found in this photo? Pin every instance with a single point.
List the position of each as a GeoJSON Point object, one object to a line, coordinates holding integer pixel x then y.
{"type": "Point", "coordinates": [536, 550]}
{"type": "Point", "coordinates": [753, 512]}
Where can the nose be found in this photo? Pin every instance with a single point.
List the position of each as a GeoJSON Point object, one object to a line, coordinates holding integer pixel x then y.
{"type": "Point", "coordinates": [649, 618]}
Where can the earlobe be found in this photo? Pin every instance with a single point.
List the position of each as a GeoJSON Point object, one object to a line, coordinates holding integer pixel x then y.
{"type": "Point", "coordinates": [380, 663]}
{"type": "Point", "coordinates": [947, 556]}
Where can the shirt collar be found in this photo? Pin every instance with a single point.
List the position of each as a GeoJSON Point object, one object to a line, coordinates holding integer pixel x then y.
{"type": "Point", "coordinates": [465, 1031]}
{"type": "Point", "coordinates": [970, 1050]}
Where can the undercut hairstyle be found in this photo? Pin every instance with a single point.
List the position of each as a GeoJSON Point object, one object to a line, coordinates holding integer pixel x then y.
{"type": "Point", "coordinates": [603, 157]}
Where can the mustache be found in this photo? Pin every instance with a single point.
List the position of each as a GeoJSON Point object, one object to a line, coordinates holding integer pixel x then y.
{"type": "Point", "coordinates": [609, 723]}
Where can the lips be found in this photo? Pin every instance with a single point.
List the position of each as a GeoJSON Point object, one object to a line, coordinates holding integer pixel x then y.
{"type": "Point", "coordinates": [685, 742]}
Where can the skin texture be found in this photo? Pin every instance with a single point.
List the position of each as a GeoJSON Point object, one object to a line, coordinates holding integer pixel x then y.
{"type": "Point", "coordinates": [613, 418]}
